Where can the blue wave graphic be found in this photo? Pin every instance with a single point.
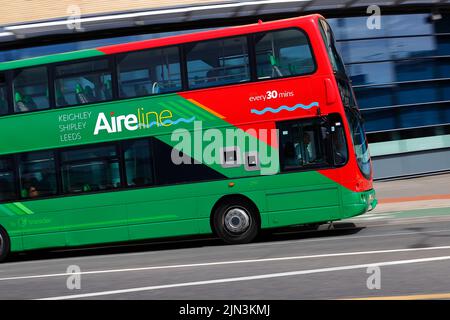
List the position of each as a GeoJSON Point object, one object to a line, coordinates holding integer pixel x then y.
{"type": "Point", "coordinates": [272, 110]}
{"type": "Point", "coordinates": [168, 121]}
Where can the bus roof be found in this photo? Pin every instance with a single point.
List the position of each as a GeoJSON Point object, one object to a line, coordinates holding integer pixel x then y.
{"type": "Point", "coordinates": [152, 43]}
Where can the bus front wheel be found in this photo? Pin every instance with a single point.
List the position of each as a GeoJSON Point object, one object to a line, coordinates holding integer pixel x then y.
{"type": "Point", "coordinates": [236, 222]}
{"type": "Point", "coordinates": [4, 244]}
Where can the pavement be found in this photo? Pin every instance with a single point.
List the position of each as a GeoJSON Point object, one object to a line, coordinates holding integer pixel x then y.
{"type": "Point", "coordinates": [401, 250]}
{"type": "Point", "coordinates": [427, 192]}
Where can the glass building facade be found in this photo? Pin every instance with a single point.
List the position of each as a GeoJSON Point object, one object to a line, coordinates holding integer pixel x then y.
{"type": "Point", "coordinates": [400, 75]}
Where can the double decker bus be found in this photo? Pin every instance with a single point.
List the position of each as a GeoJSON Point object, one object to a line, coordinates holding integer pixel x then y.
{"type": "Point", "coordinates": [229, 132]}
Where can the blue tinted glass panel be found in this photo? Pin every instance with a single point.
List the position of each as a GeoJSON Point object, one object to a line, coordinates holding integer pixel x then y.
{"type": "Point", "coordinates": [442, 25]}
{"type": "Point", "coordinates": [406, 117]}
{"type": "Point", "coordinates": [417, 93]}
{"type": "Point", "coordinates": [356, 28]}
{"type": "Point", "coordinates": [371, 73]}
{"type": "Point", "coordinates": [444, 88]}
{"type": "Point", "coordinates": [407, 24]}
{"type": "Point", "coordinates": [443, 68]}
{"type": "Point", "coordinates": [371, 97]}
{"type": "Point", "coordinates": [412, 47]}
{"type": "Point", "coordinates": [378, 120]}
{"type": "Point", "coordinates": [364, 50]}
{"type": "Point", "coordinates": [420, 116]}
{"type": "Point", "coordinates": [443, 45]}
{"type": "Point", "coordinates": [410, 70]}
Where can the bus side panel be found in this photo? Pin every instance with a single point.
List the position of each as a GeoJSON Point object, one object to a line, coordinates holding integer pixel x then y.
{"type": "Point", "coordinates": [96, 224]}
{"type": "Point", "coordinates": [42, 226]}
{"type": "Point", "coordinates": [162, 215]}
{"type": "Point", "coordinates": [303, 205]}
{"type": "Point", "coordinates": [11, 223]}
{"type": "Point", "coordinates": [167, 210]}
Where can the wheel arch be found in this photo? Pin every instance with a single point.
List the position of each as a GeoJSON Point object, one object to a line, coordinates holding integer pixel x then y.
{"type": "Point", "coordinates": [234, 197]}
{"type": "Point", "coordinates": [8, 242]}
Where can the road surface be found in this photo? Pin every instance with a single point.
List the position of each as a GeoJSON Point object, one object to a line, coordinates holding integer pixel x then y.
{"type": "Point", "coordinates": [413, 257]}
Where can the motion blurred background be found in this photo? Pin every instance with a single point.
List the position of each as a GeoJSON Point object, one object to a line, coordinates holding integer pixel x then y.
{"type": "Point", "coordinates": [400, 72]}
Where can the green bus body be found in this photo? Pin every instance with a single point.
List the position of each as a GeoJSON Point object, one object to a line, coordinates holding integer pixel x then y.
{"type": "Point", "coordinates": [282, 198]}
{"type": "Point", "coordinates": [184, 209]}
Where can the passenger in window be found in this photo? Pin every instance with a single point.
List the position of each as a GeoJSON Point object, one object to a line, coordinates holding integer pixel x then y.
{"type": "Point", "coordinates": [30, 191]}
{"type": "Point", "coordinates": [33, 192]}
{"type": "Point", "coordinates": [340, 149]}
{"type": "Point", "coordinates": [107, 90]}
{"type": "Point", "coordinates": [60, 99]}
{"type": "Point", "coordinates": [307, 156]}
{"type": "Point", "coordinates": [307, 144]}
{"type": "Point", "coordinates": [89, 93]}
{"type": "Point", "coordinates": [290, 158]}
{"type": "Point", "coordinates": [20, 103]}
{"type": "Point", "coordinates": [80, 95]}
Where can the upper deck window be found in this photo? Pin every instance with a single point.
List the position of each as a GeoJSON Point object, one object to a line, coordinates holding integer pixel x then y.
{"type": "Point", "coordinates": [282, 54]}
{"type": "Point", "coordinates": [218, 62]}
{"type": "Point", "coordinates": [83, 82]}
{"type": "Point", "coordinates": [3, 98]}
{"type": "Point", "coordinates": [149, 72]}
{"type": "Point", "coordinates": [30, 88]}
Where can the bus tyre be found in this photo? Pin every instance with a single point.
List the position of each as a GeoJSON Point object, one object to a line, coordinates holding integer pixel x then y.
{"type": "Point", "coordinates": [4, 244]}
{"type": "Point", "coordinates": [236, 222]}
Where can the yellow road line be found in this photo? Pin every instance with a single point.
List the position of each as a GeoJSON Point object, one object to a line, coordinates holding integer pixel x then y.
{"type": "Point", "coordinates": [431, 296]}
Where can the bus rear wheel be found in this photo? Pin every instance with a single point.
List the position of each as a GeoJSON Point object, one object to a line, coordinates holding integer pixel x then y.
{"type": "Point", "coordinates": [4, 244]}
{"type": "Point", "coordinates": [236, 222]}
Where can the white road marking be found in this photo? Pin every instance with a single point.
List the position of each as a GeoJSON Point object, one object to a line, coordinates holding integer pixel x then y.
{"type": "Point", "coordinates": [108, 256]}
{"type": "Point", "coordinates": [396, 234]}
{"type": "Point", "coordinates": [238, 279]}
{"type": "Point", "coordinates": [219, 263]}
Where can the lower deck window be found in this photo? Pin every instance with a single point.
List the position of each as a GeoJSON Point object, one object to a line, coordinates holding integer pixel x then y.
{"type": "Point", "coordinates": [90, 169]}
{"type": "Point", "coordinates": [7, 182]}
{"type": "Point", "coordinates": [37, 174]}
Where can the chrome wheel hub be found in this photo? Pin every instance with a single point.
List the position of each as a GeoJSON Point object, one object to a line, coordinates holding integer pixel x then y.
{"type": "Point", "coordinates": [237, 220]}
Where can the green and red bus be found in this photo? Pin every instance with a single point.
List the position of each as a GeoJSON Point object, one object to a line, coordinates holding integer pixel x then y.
{"type": "Point", "coordinates": [126, 142]}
